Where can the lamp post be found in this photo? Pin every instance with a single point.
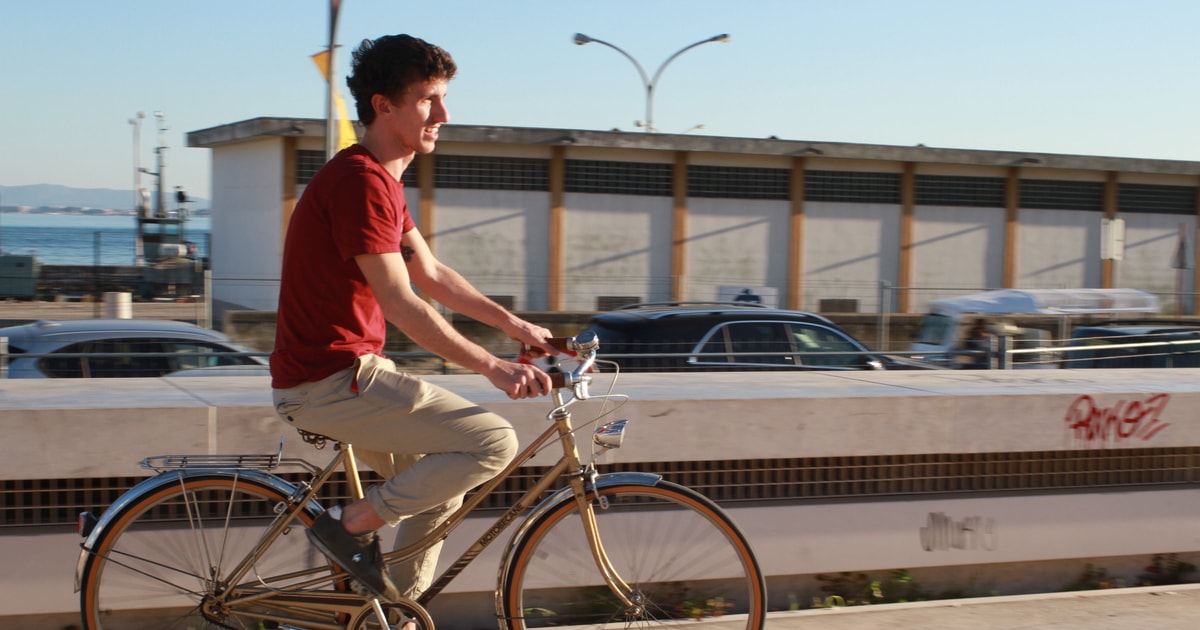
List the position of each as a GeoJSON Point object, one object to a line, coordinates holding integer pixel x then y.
{"type": "Point", "coordinates": [138, 203]}
{"type": "Point", "coordinates": [649, 83]}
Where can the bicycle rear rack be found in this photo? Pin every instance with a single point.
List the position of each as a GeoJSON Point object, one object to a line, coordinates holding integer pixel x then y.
{"type": "Point", "coordinates": [246, 461]}
{"type": "Point", "coordinates": [160, 463]}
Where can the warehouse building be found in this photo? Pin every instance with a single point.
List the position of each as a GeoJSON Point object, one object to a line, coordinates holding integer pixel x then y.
{"type": "Point", "coordinates": [554, 219]}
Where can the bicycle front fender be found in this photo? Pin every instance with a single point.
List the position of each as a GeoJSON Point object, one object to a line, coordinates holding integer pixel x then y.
{"type": "Point", "coordinates": [565, 494]}
{"type": "Point", "coordinates": [168, 478]}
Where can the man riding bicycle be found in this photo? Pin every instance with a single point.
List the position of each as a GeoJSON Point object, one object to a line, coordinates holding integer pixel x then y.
{"type": "Point", "coordinates": [351, 257]}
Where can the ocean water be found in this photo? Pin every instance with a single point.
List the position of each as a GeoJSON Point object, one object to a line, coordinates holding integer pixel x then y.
{"type": "Point", "coordinates": [65, 239]}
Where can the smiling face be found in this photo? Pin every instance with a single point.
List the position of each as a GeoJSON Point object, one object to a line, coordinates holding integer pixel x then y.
{"type": "Point", "coordinates": [409, 123]}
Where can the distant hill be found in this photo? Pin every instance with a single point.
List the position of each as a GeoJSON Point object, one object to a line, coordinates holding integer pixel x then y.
{"type": "Point", "coordinates": [52, 195]}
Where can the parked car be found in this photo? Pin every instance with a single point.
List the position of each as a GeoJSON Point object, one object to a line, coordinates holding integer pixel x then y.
{"type": "Point", "coordinates": [1134, 345]}
{"type": "Point", "coordinates": [108, 348]}
{"type": "Point", "coordinates": [674, 336]}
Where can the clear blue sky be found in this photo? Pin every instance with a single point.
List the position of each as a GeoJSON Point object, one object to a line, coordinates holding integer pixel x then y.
{"type": "Point", "coordinates": [1097, 77]}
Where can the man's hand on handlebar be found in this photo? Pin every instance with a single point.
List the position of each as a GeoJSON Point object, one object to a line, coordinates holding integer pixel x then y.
{"type": "Point", "coordinates": [520, 380]}
{"type": "Point", "coordinates": [533, 336]}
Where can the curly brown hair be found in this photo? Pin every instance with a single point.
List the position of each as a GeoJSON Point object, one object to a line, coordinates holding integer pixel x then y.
{"type": "Point", "coordinates": [389, 65]}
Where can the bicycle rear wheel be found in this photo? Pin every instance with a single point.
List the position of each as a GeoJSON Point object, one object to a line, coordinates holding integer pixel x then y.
{"type": "Point", "coordinates": [682, 555]}
{"type": "Point", "coordinates": [164, 556]}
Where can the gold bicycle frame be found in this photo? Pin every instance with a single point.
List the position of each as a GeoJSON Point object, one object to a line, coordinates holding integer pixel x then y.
{"type": "Point", "coordinates": [295, 598]}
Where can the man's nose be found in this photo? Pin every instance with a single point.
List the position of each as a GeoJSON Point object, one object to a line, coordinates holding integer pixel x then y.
{"type": "Point", "coordinates": [440, 113]}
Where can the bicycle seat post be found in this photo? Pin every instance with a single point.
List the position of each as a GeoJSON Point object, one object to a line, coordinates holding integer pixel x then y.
{"type": "Point", "coordinates": [351, 468]}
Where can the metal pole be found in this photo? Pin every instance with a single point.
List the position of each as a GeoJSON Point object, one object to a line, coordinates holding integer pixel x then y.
{"type": "Point", "coordinates": [330, 108]}
{"type": "Point", "coordinates": [137, 162]}
{"type": "Point", "coordinates": [724, 37]}
{"type": "Point", "coordinates": [160, 207]}
{"type": "Point", "coordinates": [206, 301]}
{"type": "Point", "coordinates": [96, 274]}
{"type": "Point", "coordinates": [647, 82]}
{"type": "Point", "coordinates": [882, 334]}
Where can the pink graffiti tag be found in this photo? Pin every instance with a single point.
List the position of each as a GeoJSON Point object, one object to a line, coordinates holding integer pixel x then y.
{"type": "Point", "coordinates": [1126, 420]}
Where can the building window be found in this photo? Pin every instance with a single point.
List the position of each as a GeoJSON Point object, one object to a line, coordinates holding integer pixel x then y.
{"type": "Point", "coordinates": [943, 190]}
{"type": "Point", "coordinates": [618, 178]}
{"type": "Point", "coordinates": [308, 162]}
{"type": "Point", "coordinates": [733, 182]}
{"type": "Point", "coordinates": [490, 173]}
{"type": "Point", "coordinates": [851, 187]}
{"type": "Point", "coordinates": [1157, 199]}
{"type": "Point", "coordinates": [1046, 194]}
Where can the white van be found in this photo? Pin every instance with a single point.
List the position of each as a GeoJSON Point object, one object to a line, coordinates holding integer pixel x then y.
{"type": "Point", "coordinates": [943, 327]}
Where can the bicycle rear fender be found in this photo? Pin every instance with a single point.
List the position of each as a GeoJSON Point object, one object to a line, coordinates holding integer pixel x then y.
{"type": "Point", "coordinates": [172, 477]}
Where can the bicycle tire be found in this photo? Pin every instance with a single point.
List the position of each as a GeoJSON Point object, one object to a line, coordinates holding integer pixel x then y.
{"type": "Point", "coordinates": [684, 557]}
{"type": "Point", "coordinates": [167, 550]}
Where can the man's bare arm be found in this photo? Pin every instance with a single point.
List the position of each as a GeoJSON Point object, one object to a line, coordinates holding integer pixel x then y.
{"type": "Point", "coordinates": [448, 287]}
{"type": "Point", "coordinates": [388, 276]}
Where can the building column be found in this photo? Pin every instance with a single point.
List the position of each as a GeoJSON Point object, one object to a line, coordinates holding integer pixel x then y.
{"type": "Point", "coordinates": [908, 203]}
{"type": "Point", "coordinates": [795, 268]}
{"type": "Point", "coordinates": [1012, 203]}
{"type": "Point", "coordinates": [1196, 256]}
{"type": "Point", "coordinates": [1110, 212]}
{"type": "Point", "coordinates": [679, 234]}
{"type": "Point", "coordinates": [557, 226]}
{"type": "Point", "coordinates": [426, 221]}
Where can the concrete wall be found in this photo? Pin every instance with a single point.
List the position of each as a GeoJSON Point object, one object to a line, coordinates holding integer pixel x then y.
{"type": "Point", "coordinates": [617, 245]}
{"type": "Point", "coordinates": [1151, 242]}
{"type": "Point", "coordinates": [1000, 542]}
{"type": "Point", "coordinates": [743, 243]}
{"type": "Point", "coordinates": [958, 247]}
{"type": "Point", "coordinates": [247, 227]}
{"type": "Point", "coordinates": [848, 250]}
{"type": "Point", "coordinates": [1054, 247]}
{"type": "Point", "coordinates": [498, 239]}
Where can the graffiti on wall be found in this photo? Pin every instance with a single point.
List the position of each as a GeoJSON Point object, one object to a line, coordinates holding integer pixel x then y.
{"type": "Point", "coordinates": [1125, 421]}
{"type": "Point", "coordinates": [973, 533]}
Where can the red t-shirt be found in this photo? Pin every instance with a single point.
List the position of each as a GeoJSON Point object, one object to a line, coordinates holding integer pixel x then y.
{"type": "Point", "coordinates": [328, 315]}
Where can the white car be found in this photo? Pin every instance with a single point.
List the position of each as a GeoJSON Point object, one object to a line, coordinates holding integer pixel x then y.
{"type": "Point", "coordinates": [117, 348]}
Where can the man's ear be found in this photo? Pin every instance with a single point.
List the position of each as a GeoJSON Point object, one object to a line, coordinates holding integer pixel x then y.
{"type": "Point", "coordinates": [381, 104]}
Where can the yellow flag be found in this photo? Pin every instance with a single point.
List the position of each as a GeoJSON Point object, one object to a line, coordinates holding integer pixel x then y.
{"type": "Point", "coordinates": [346, 133]}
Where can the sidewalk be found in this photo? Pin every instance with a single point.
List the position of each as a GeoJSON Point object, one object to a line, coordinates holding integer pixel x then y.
{"type": "Point", "coordinates": [1158, 607]}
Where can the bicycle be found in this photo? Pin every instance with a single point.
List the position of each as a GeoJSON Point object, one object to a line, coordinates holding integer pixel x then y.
{"type": "Point", "coordinates": [215, 541]}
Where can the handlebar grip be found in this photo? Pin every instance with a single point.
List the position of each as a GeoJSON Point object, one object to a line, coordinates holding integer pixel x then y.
{"type": "Point", "coordinates": [562, 344]}
{"type": "Point", "coordinates": [558, 380]}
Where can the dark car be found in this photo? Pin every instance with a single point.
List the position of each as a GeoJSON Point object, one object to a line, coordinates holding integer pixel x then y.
{"type": "Point", "coordinates": [107, 348]}
{"type": "Point", "coordinates": [1134, 345]}
{"type": "Point", "coordinates": [673, 336]}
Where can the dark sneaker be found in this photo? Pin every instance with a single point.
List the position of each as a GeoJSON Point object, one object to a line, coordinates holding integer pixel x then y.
{"type": "Point", "coordinates": [358, 555]}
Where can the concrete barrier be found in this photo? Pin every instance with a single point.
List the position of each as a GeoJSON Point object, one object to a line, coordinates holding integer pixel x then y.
{"type": "Point", "coordinates": [999, 539]}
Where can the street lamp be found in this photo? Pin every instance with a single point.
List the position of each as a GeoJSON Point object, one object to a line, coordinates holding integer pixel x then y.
{"type": "Point", "coordinates": [138, 202]}
{"type": "Point", "coordinates": [649, 83]}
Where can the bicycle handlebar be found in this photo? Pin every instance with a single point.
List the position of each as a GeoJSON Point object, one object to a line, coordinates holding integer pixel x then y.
{"type": "Point", "coordinates": [586, 342]}
{"type": "Point", "coordinates": [584, 346]}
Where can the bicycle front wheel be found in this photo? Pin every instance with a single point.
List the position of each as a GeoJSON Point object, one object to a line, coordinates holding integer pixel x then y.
{"type": "Point", "coordinates": [680, 553]}
{"type": "Point", "coordinates": [165, 558]}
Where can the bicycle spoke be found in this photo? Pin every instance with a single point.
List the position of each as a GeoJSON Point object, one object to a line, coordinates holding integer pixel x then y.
{"type": "Point", "coordinates": [678, 553]}
{"type": "Point", "coordinates": [110, 558]}
{"type": "Point", "coordinates": [162, 562]}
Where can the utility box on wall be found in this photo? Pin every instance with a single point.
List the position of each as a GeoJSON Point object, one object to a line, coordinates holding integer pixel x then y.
{"type": "Point", "coordinates": [18, 276]}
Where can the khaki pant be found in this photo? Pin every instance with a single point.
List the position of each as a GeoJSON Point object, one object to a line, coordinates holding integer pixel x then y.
{"type": "Point", "coordinates": [432, 446]}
